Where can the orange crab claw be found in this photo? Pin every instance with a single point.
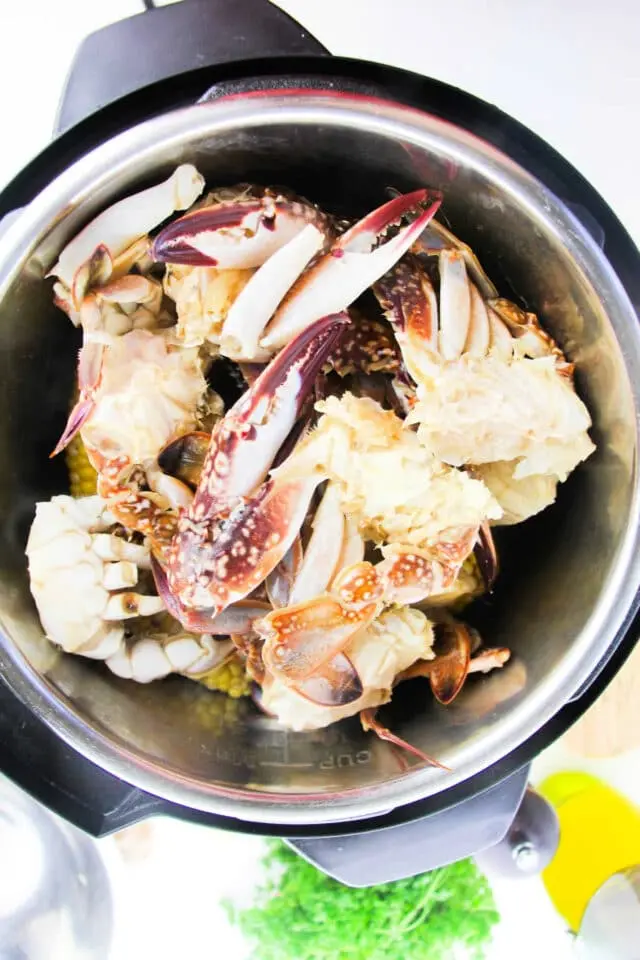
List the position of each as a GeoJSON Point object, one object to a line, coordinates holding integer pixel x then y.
{"type": "Point", "coordinates": [369, 722]}
{"type": "Point", "coordinates": [301, 638]}
{"type": "Point", "coordinates": [359, 585]}
{"type": "Point", "coordinates": [409, 303]}
{"type": "Point", "coordinates": [409, 574]}
{"type": "Point", "coordinates": [450, 667]}
{"type": "Point", "coordinates": [335, 684]}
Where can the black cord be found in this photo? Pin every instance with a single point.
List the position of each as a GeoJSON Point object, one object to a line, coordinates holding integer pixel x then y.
{"type": "Point", "coordinates": [149, 4]}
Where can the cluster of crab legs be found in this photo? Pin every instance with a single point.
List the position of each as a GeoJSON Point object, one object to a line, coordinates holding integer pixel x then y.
{"type": "Point", "coordinates": [223, 527]}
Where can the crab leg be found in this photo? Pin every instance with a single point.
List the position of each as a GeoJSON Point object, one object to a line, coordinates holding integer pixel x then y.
{"type": "Point", "coordinates": [89, 378]}
{"type": "Point", "coordinates": [255, 304]}
{"type": "Point", "coordinates": [245, 442]}
{"type": "Point", "coordinates": [356, 260]}
{"type": "Point", "coordinates": [369, 722]}
{"type": "Point", "coordinates": [235, 234]}
{"type": "Point", "coordinates": [126, 221]}
{"type": "Point", "coordinates": [324, 549]}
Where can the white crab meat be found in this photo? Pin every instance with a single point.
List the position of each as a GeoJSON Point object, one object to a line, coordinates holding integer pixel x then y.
{"type": "Point", "coordinates": [149, 393]}
{"type": "Point", "coordinates": [203, 297]}
{"type": "Point", "coordinates": [390, 482]}
{"type": "Point", "coordinates": [480, 410]}
{"type": "Point", "coordinates": [151, 653]}
{"type": "Point", "coordinates": [519, 498]}
{"type": "Point", "coordinates": [83, 578]}
{"type": "Point", "coordinates": [379, 652]}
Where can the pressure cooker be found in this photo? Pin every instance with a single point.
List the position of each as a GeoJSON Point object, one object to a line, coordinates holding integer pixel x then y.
{"type": "Point", "coordinates": [246, 94]}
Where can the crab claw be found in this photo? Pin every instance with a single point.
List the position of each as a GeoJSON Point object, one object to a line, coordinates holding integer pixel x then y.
{"type": "Point", "coordinates": [236, 620]}
{"type": "Point", "coordinates": [301, 638]}
{"type": "Point", "coordinates": [118, 227]}
{"type": "Point", "coordinates": [214, 564]}
{"type": "Point", "coordinates": [256, 303]}
{"type": "Point", "coordinates": [89, 379]}
{"type": "Point", "coordinates": [235, 234]}
{"type": "Point", "coordinates": [335, 684]}
{"type": "Point", "coordinates": [323, 551]}
{"type": "Point", "coordinates": [245, 442]}
{"type": "Point", "coordinates": [357, 259]}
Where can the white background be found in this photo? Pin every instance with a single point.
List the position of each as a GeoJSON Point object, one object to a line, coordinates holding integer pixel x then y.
{"type": "Point", "coordinates": [568, 69]}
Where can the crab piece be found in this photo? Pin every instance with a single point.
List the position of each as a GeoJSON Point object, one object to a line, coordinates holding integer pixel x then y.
{"type": "Point", "coordinates": [214, 564]}
{"type": "Point", "coordinates": [369, 722]}
{"type": "Point", "coordinates": [323, 550]}
{"type": "Point", "coordinates": [436, 238]}
{"type": "Point", "coordinates": [236, 620]}
{"type": "Point", "coordinates": [184, 457]}
{"type": "Point", "coordinates": [486, 556]}
{"type": "Point", "coordinates": [256, 303]}
{"type": "Point", "coordinates": [281, 579]}
{"type": "Point", "coordinates": [203, 297]}
{"type": "Point", "coordinates": [72, 553]}
{"type": "Point", "coordinates": [377, 652]}
{"type": "Point", "coordinates": [301, 638]}
{"type": "Point", "coordinates": [246, 440]}
{"type": "Point", "coordinates": [335, 684]}
{"type": "Point", "coordinates": [367, 347]}
{"type": "Point", "coordinates": [117, 228]}
{"type": "Point", "coordinates": [356, 260]}
{"type": "Point", "coordinates": [152, 652]}
{"type": "Point", "coordinates": [236, 234]}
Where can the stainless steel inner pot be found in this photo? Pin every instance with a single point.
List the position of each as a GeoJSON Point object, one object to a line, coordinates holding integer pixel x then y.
{"type": "Point", "coordinates": [569, 577]}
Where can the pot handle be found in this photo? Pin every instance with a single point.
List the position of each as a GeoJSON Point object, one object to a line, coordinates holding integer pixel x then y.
{"type": "Point", "coordinates": [170, 40]}
{"type": "Point", "coordinates": [404, 850]}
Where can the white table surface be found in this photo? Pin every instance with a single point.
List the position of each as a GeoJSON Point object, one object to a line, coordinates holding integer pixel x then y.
{"type": "Point", "coordinates": [569, 70]}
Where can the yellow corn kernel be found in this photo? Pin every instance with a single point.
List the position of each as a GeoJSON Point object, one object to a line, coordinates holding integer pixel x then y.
{"type": "Point", "coordinates": [230, 678]}
{"type": "Point", "coordinates": [82, 476]}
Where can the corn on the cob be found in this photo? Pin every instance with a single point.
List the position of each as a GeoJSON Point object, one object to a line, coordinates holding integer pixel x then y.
{"type": "Point", "coordinates": [230, 678]}
{"type": "Point", "coordinates": [82, 476]}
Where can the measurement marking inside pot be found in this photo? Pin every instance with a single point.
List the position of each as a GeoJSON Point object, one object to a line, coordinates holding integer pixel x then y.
{"type": "Point", "coordinates": [281, 763]}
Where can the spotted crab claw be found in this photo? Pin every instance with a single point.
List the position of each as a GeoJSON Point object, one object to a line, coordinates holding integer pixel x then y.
{"type": "Point", "coordinates": [236, 234]}
{"type": "Point", "coordinates": [236, 620]}
{"type": "Point", "coordinates": [123, 223]}
{"type": "Point", "coordinates": [323, 550]}
{"type": "Point", "coordinates": [245, 442]}
{"type": "Point", "coordinates": [357, 259]}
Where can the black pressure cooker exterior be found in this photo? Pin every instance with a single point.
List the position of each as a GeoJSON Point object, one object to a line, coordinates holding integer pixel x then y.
{"type": "Point", "coordinates": [200, 50]}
